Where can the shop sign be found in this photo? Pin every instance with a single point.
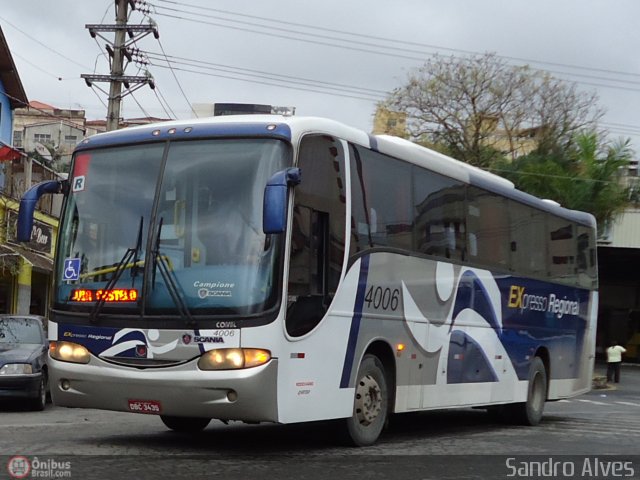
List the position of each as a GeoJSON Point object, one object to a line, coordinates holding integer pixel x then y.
{"type": "Point", "coordinates": [41, 234]}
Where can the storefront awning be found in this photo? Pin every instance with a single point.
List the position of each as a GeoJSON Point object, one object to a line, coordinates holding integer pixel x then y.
{"type": "Point", "coordinates": [10, 257]}
{"type": "Point", "coordinates": [8, 153]}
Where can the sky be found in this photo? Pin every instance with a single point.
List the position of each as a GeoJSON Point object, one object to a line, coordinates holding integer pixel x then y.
{"type": "Point", "coordinates": [333, 58]}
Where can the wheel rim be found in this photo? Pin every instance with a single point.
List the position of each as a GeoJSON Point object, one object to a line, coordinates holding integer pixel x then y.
{"type": "Point", "coordinates": [368, 400]}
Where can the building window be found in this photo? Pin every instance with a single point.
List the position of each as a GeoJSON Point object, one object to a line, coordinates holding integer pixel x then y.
{"type": "Point", "coordinates": [17, 138]}
{"type": "Point", "coordinates": [71, 138]}
{"type": "Point", "coordinates": [42, 137]}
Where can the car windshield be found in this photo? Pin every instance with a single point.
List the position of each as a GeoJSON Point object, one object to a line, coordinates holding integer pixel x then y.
{"type": "Point", "coordinates": [170, 227]}
{"type": "Point", "coordinates": [20, 330]}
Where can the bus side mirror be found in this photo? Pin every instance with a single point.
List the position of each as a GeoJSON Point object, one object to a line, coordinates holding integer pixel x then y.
{"type": "Point", "coordinates": [274, 211]}
{"type": "Point", "coordinates": [28, 205]}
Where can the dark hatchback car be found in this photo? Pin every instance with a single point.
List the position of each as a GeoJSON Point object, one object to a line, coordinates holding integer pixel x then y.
{"type": "Point", "coordinates": [23, 359]}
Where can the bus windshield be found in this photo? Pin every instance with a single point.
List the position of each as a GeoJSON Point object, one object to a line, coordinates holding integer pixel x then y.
{"type": "Point", "coordinates": [170, 226]}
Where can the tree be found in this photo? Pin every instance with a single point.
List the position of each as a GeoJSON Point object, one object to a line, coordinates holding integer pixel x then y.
{"type": "Point", "coordinates": [584, 177]}
{"type": "Point", "coordinates": [479, 109]}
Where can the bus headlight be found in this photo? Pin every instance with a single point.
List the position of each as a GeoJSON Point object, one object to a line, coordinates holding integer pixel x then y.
{"type": "Point", "coordinates": [233, 358]}
{"type": "Point", "coordinates": [68, 352]}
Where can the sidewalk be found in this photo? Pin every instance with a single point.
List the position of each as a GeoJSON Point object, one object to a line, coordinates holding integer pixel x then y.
{"type": "Point", "coordinates": [629, 378]}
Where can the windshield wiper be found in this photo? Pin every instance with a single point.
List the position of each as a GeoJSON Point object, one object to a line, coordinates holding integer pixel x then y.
{"type": "Point", "coordinates": [130, 254]}
{"type": "Point", "coordinates": [165, 269]}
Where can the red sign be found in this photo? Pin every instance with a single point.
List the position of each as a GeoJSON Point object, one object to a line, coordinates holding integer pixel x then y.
{"type": "Point", "coordinates": [80, 169]}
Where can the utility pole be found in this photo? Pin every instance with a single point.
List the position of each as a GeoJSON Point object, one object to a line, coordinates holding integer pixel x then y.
{"type": "Point", "coordinates": [118, 51]}
{"type": "Point", "coordinates": [117, 67]}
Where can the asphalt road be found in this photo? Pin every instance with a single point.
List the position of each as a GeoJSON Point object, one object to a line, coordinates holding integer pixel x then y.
{"type": "Point", "coordinates": [603, 424]}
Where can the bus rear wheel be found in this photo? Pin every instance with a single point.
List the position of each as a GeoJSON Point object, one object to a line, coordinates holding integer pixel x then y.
{"type": "Point", "coordinates": [530, 412]}
{"type": "Point", "coordinates": [371, 403]}
{"type": "Point", "coordinates": [185, 424]}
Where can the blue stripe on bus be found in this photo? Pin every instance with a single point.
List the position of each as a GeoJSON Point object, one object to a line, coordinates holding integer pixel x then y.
{"type": "Point", "coordinates": [355, 322]}
{"type": "Point", "coordinates": [200, 345]}
{"type": "Point", "coordinates": [472, 294]}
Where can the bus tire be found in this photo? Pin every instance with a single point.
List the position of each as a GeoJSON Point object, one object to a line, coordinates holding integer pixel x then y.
{"type": "Point", "coordinates": [530, 412]}
{"type": "Point", "coordinates": [371, 403]}
{"type": "Point", "coordinates": [185, 424]}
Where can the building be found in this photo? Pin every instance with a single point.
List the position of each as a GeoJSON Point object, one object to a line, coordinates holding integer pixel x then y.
{"type": "Point", "coordinates": [25, 269]}
{"type": "Point", "coordinates": [12, 94]}
{"type": "Point", "coordinates": [619, 263]}
{"type": "Point", "coordinates": [100, 126]}
{"type": "Point", "coordinates": [48, 134]}
{"type": "Point", "coordinates": [388, 122]}
{"type": "Point", "coordinates": [217, 109]}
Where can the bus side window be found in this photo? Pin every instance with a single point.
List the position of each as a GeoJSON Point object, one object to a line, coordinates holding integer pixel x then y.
{"type": "Point", "coordinates": [381, 201]}
{"type": "Point", "coordinates": [439, 226]}
{"type": "Point", "coordinates": [585, 258]}
{"type": "Point", "coordinates": [488, 224]}
{"type": "Point", "coordinates": [527, 240]}
{"type": "Point", "coordinates": [563, 248]}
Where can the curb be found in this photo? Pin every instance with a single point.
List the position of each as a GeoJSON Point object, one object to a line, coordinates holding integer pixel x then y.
{"type": "Point", "coordinates": [599, 382]}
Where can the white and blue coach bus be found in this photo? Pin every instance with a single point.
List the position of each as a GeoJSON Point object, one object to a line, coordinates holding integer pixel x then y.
{"type": "Point", "coordinates": [290, 269]}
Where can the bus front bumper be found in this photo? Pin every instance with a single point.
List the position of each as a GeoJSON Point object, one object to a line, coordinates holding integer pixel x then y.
{"type": "Point", "coordinates": [183, 390]}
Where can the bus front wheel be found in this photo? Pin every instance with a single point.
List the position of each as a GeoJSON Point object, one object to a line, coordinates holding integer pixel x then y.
{"type": "Point", "coordinates": [371, 403]}
{"type": "Point", "coordinates": [185, 424]}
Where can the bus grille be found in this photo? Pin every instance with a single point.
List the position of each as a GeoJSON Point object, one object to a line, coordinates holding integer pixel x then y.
{"type": "Point", "coordinates": [143, 362]}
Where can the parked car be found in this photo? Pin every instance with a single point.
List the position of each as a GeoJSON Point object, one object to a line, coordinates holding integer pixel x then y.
{"type": "Point", "coordinates": [23, 359]}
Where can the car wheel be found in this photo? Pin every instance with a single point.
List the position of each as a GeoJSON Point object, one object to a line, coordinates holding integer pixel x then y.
{"type": "Point", "coordinates": [38, 403]}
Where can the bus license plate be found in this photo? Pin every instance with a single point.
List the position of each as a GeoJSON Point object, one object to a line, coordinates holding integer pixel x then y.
{"type": "Point", "coordinates": [150, 407]}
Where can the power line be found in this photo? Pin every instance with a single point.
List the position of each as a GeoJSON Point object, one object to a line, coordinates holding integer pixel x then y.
{"type": "Point", "coordinates": [204, 65]}
{"type": "Point", "coordinates": [176, 79]}
{"type": "Point", "coordinates": [37, 67]}
{"type": "Point", "coordinates": [99, 97]}
{"type": "Point", "coordinates": [369, 99]}
{"type": "Point", "coordinates": [140, 106]}
{"type": "Point", "coordinates": [316, 42]}
{"type": "Point", "coordinates": [160, 95]}
{"type": "Point", "coordinates": [44, 112]}
{"type": "Point", "coordinates": [546, 175]}
{"type": "Point", "coordinates": [623, 125]}
{"type": "Point", "coordinates": [42, 44]}
{"type": "Point", "coordinates": [379, 50]}
{"type": "Point", "coordinates": [386, 40]}
{"type": "Point", "coordinates": [145, 62]}
{"type": "Point", "coordinates": [630, 130]}
{"type": "Point", "coordinates": [201, 64]}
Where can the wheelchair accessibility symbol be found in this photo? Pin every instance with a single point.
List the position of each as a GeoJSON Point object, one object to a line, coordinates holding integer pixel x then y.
{"type": "Point", "coordinates": [71, 270]}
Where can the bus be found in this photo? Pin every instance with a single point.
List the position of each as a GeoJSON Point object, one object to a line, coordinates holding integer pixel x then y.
{"type": "Point", "coordinates": [293, 269]}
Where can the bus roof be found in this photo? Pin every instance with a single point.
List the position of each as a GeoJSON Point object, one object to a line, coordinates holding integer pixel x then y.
{"type": "Point", "coordinates": [292, 128]}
